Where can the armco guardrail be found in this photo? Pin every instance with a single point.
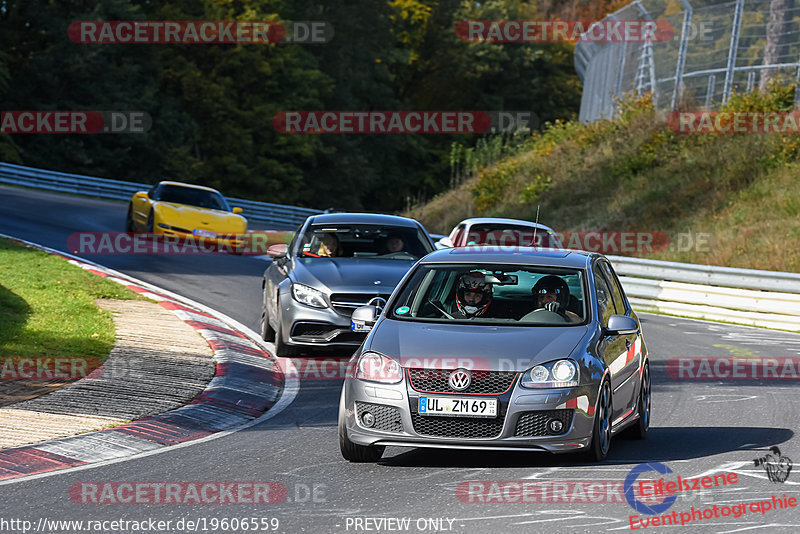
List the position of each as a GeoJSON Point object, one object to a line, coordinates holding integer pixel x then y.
{"type": "Point", "coordinates": [759, 298]}
{"type": "Point", "coordinates": [279, 216]}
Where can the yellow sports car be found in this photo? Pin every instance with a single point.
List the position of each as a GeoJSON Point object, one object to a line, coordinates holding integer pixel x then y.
{"type": "Point", "coordinates": [178, 209]}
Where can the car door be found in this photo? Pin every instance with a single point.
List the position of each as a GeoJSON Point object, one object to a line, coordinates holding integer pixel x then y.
{"type": "Point", "coordinates": [611, 347]}
{"type": "Point", "coordinates": [631, 362]}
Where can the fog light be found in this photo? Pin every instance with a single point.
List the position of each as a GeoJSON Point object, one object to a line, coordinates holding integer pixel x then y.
{"type": "Point", "coordinates": [556, 426]}
{"type": "Point", "coordinates": [368, 419]}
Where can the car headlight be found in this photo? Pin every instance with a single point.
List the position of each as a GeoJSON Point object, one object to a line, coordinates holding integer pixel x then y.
{"type": "Point", "coordinates": [558, 374]}
{"type": "Point", "coordinates": [376, 367]}
{"type": "Point", "coordinates": [309, 296]}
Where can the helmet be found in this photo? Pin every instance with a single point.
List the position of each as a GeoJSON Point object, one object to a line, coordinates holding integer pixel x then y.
{"type": "Point", "coordinates": [473, 281]}
{"type": "Point", "coordinates": [553, 284]}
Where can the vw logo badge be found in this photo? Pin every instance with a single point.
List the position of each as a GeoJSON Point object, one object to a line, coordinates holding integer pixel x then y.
{"type": "Point", "coordinates": [460, 379]}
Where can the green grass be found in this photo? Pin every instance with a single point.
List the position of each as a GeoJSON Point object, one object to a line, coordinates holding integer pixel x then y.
{"type": "Point", "coordinates": [634, 174]}
{"type": "Point", "coordinates": [47, 307]}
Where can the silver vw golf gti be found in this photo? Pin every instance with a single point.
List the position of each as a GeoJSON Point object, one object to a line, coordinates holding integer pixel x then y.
{"type": "Point", "coordinates": [509, 349]}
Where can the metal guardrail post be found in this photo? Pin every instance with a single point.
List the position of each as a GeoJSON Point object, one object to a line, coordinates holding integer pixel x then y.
{"type": "Point", "coordinates": [677, 89]}
{"type": "Point", "coordinates": [735, 30]}
{"type": "Point", "coordinates": [710, 90]}
{"type": "Point", "coordinates": [797, 87]}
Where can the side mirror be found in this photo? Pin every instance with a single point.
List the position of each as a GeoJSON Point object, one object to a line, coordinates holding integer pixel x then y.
{"type": "Point", "coordinates": [444, 242]}
{"type": "Point", "coordinates": [236, 210]}
{"type": "Point", "coordinates": [621, 325]}
{"type": "Point", "coordinates": [141, 195]}
{"type": "Point", "coordinates": [364, 318]}
{"type": "Point", "coordinates": [278, 251]}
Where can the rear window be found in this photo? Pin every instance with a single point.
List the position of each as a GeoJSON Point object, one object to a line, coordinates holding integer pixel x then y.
{"type": "Point", "coordinates": [505, 235]}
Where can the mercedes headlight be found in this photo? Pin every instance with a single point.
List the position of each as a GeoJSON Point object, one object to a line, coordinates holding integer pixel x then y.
{"type": "Point", "coordinates": [309, 296]}
{"type": "Point", "coordinates": [558, 374]}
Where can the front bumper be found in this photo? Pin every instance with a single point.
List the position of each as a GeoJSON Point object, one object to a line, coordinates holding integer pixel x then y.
{"type": "Point", "coordinates": [222, 243]}
{"type": "Point", "coordinates": [316, 327]}
{"type": "Point", "coordinates": [519, 425]}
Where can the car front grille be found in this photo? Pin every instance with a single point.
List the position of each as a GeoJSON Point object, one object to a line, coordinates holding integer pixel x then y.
{"type": "Point", "coordinates": [531, 424]}
{"type": "Point", "coordinates": [387, 418]}
{"type": "Point", "coordinates": [436, 381]}
{"type": "Point", "coordinates": [457, 427]}
{"type": "Point", "coordinates": [346, 303]}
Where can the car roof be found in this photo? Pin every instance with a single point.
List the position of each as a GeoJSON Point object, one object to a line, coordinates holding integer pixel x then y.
{"type": "Point", "coordinates": [192, 186]}
{"type": "Point", "coordinates": [498, 220]}
{"type": "Point", "coordinates": [548, 257]}
{"type": "Point", "coordinates": [362, 218]}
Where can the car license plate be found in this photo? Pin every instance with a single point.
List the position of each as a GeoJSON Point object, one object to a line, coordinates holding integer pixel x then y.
{"type": "Point", "coordinates": [359, 327]}
{"type": "Point", "coordinates": [458, 406]}
{"type": "Point", "coordinates": [204, 233]}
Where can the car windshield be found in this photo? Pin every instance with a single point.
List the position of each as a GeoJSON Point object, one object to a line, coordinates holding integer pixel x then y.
{"type": "Point", "coordinates": [363, 241]}
{"type": "Point", "coordinates": [492, 294]}
{"type": "Point", "coordinates": [509, 235]}
{"type": "Point", "coordinates": [191, 196]}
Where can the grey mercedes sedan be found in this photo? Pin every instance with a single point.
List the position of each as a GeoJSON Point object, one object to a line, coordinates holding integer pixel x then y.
{"type": "Point", "coordinates": [336, 263]}
{"type": "Point", "coordinates": [510, 349]}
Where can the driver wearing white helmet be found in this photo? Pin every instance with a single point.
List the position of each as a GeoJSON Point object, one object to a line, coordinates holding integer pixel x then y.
{"type": "Point", "coordinates": [473, 294]}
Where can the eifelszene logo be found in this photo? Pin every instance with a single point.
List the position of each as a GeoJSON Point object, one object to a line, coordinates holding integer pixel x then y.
{"type": "Point", "coordinates": [630, 484]}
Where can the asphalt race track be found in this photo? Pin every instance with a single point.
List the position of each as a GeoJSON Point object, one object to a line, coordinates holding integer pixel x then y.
{"type": "Point", "coordinates": [699, 428]}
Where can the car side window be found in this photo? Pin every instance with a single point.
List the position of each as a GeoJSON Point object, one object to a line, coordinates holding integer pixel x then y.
{"type": "Point", "coordinates": [292, 243]}
{"type": "Point", "coordinates": [616, 290]}
{"type": "Point", "coordinates": [605, 306]}
{"type": "Point", "coordinates": [457, 233]}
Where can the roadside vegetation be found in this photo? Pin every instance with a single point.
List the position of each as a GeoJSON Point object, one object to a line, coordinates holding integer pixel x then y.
{"type": "Point", "coordinates": [634, 174]}
{"type": "Point", "coordinates": [47, 307]}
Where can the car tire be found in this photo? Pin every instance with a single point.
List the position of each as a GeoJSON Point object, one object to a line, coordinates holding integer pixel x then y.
{"type": "Point", "coordinates": [129, 220]}
{"type": "Point", "coordinates": [353, 452]}
{"type": "Point", "coordinates": [639, 429]}
{"type": "Point", "coordinates": [601, 429]}
{"type": "Point", "coordinates": [282, 350]}
{"type": "Point", "coordinates": [150, 228]}
{"type": "Point", "coordinates": [267, 332]}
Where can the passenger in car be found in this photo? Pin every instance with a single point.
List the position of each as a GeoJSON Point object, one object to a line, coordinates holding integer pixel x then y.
{"type": "Point", "coordinates": [329, 246]}
{"type": "Point", "coordinates": [394, 243]}
{"type": "Point", "coordinates": [552, 293]}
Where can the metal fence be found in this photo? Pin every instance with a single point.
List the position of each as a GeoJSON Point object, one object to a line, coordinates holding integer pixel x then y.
{"type": "Point", "coordinates": [715, 48]}
{"type": "Point", "coordinates": [758, 298]}
{"type": "Point", "coordinates": [279, 217]}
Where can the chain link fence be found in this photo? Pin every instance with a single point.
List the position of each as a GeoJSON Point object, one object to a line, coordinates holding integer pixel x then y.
{"type": "Point", "coordinates": [714, 49]}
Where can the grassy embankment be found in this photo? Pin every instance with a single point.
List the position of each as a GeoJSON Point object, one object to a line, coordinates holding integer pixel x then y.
{"type": "Point", "coordinates": [634, 174]}
{"type": "Point", "coordinates": [47, 307]}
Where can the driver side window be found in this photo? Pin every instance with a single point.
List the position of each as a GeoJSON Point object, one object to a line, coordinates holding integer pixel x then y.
{"type": "Point", "coordinates": [605, 307]}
